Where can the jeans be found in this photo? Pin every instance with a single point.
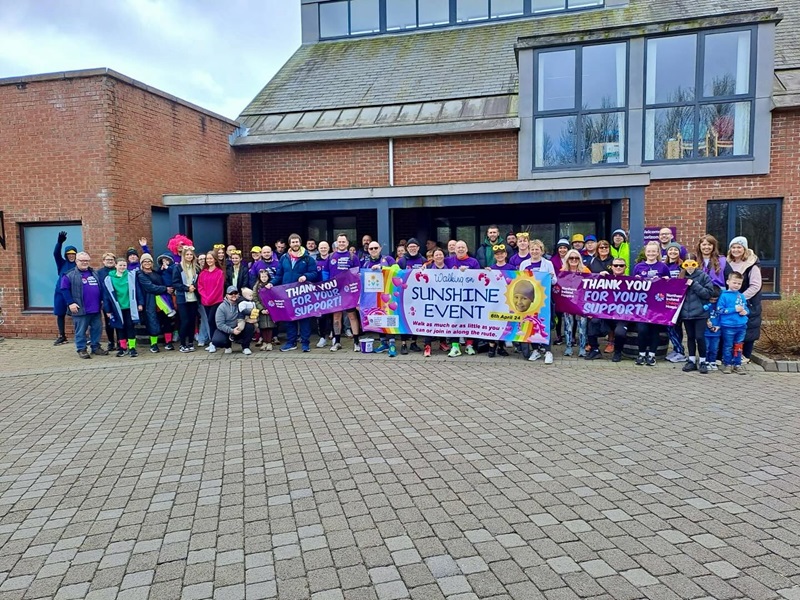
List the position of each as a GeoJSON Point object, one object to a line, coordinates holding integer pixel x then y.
{"type": "Point", "coordinates": [95, 326]}
{"type": "Point", "coordinates": [211, 315]}
{"type": "Point", "coordinates": [712, 348]}
{"type": "Point", "coordinates": [569, 320]}
{"type": "Point", "coordinates": [732, 343]}
{"type": "Point", "coordinates": [304, 325]}
{"type": "Point", "coordinates": [203, 334]}
{"type": "Point", "coordinates": [220, 339]}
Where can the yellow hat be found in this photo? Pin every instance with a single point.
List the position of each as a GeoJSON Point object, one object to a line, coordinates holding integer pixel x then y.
{"type": "Point", "coordinates": [578, 237]}
{"type": "Point", "coordinates": [255, 249]}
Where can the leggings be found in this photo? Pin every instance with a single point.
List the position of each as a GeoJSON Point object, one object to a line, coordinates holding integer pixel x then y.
{"type": "Point", "coordinates": [188, 313]}
{"type": "Point", "coordinates": [128, 331]}
{"type": "Point", "coordinates": [696, 337]}
{"type": "Point", "coordinates": [648, 336]}
{"type": "Point", "coordinates": [110, 331]}
{"type": "Point", "coordinates": [61, 321]}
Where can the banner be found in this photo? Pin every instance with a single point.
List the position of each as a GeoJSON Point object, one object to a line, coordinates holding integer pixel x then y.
{"type": "Point", "coordinates": [301, 300]}
{"type": "Point", "coordinates": [513, 306]}
{"type": "Point", "coordinates": [656, 301]}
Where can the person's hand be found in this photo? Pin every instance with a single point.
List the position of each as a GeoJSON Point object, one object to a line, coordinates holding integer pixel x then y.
{"type": "Point", "coordinates": [140, 308]}
{"type": "Point", "coordinates": [462, 268]}
{"type": "Point", "coordinates": [143, 242]}
{"type": "Point", "coordinates": [375, 267]}
{"type": "Point", "coordinates": [688, 282]}
{"type": "Point", "coordinates": [170, 290]}
{"type": "Point", "coordinates": [268, 286]}
{"type": "Point", "coordinates": [604, 273]}
{"type": "Point", "coordinates": [73, 308]}
{"type": "Point", "coordinates": [487, 268]}
{"type": "Point", "coordinates": [302, 279]}
{"type": "Point", "coordinates": [237, 330]}
{"type": "Point", "coordinates": [191, 288]}
{"type": "Point", "coordinates": [109, 315]}
{"type": "Point", "coordinates": [741, 310]}
{"type": "Point", "coordinates": [265, 312]}
{"type": "Point", "coordinates": [62, 237]}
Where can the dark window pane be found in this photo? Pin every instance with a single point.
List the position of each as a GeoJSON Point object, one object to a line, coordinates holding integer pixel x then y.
{"type": "Point", "coordinates": [769, 280]}
{"type": "Point", "coordinates": [604, 76]}
{"type": "Point", "coordinates": [556, 83]}
{"type": "Point", "coordinates": [547, 5]}
{"type": "Point", "coordinates": [401, 14]}
{"type": "Point", "coordinates": [556, 141]}
{"type": "Point", "coordinates": [333, 19]}
{"type": "Point", "coordinates": [603, 137]}
{"type": "Point", "coordinates": [671, 64]}
{"type": "Point", "coordinates": [434, 12]}
{"type": "Point", "coordinates": [506, 8]}
{"type": "Point", "coordinates": [726, 66]}
{"type": "Point", "coordinates": [724, 130]}
{"type": "Point", "coordinates": [669, 133]}
{"type": "Point", "coordinates": [472, 10]}
{"type": "Point", "coordinates": [717, 222]}
{"type": "Point", "coordinates": [364, 16]}
{"type": "Point", "coordinates": [759, 224]}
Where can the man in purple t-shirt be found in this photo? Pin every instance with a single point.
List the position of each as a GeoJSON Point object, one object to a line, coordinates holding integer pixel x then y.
{"type": "Point", "coordinates": [462, 261]}
{"type": "Point", "coordinates": [81, 291]}
{"type": "Point", "coordinates": [340, 261]}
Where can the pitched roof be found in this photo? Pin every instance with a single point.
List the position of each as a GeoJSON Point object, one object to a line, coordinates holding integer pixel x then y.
{"type": "Point", "coordinates": [466, 62]}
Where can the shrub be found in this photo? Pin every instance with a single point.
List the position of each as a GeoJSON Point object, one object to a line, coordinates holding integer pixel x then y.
{"type": "Point", "coordinates": [780, 330]}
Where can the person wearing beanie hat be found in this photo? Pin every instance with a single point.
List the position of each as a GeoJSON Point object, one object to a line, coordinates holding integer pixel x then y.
{"type": "Point", "coordinates": [64, 264]}
{"type": "Point", "coordinates": [155, 281]}
{"type": "Point", "coordinates": [665, 236]}
{"type": "Point", "coordinates": [620, 248]}
{"type": "Point", "coordinates": [742, 260]}
{"type": "Point", "coordinates": [133, 255]}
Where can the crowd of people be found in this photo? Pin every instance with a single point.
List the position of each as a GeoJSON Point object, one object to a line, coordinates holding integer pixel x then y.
{"type": "Point", "coordinates": [211, 299]}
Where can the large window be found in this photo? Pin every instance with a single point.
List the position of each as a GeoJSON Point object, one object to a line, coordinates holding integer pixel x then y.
{"type": "Point", "coordinates": [699, 92]}
{"type": "Point", "coordinates": [580, 106]}
{"type": "Point", "coordinates": [757, 220]}
{"type": "Point", "coordinates": [39, 266]}
{"type": "Point", "coordinates": [342, 18]}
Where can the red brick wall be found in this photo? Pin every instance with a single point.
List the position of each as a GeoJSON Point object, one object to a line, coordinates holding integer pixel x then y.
{"type": "Point", "coordinates": [101, 151]}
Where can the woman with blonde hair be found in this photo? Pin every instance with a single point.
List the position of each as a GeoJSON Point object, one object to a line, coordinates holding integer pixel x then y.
{"type": "Point", "coordinates": [573, 263]}
{"type": "Point", "coordinates": [184, 281]}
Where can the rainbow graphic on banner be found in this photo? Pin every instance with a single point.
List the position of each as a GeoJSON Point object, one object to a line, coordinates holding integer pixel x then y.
{"type": "Point", "coordinates": [512, 306]}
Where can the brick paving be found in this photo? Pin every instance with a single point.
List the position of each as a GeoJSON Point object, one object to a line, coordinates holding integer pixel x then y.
{"type": "Point", "coordinates": [342, 477]}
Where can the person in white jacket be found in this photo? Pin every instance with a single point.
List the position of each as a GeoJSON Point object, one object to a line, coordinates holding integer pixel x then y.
{"type": "Point", "coordinates": [537, 262]}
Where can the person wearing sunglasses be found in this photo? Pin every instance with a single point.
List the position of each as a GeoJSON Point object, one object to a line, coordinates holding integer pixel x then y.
{"type": "Point", "coordinates": [599, 327]}
{"type": "Point", "coordinates": [375, 261]}
{"type": "Point", "coordinates": [229, 327]}
{"type": "Point", "coordinates": [602, 259]}
{"type": "Point", "coordinates": [574, 324]}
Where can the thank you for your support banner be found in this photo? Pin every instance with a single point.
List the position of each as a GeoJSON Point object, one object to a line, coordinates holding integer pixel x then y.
{"type": "Point", "coordinates": [300, 300]}
{"type": "Point", "coordinates": [655, 301]}
{"type": "Point", "coordinates": [493, 305]}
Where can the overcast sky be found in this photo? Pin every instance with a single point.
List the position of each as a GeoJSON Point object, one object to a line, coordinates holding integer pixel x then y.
{"type": "Point", "coordinates": [215, 53]}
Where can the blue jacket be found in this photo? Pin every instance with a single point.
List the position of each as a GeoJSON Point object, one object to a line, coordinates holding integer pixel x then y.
{"type": "Point", "coordinates": [152, 285]}
{"type": "Point", "coordinates": [303, 266]}
{"type": "Point", "coordinates": [713, 320]}
{"type": "Point", "coordinates": [726, 307]}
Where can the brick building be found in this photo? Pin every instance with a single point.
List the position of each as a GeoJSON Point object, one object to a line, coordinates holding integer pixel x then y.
{"type": "Point", "coordinates": [434, 119]}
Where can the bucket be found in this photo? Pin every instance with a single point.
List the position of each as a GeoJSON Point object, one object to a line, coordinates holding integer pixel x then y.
{"type": "Point", "coordinates": [366, 345]}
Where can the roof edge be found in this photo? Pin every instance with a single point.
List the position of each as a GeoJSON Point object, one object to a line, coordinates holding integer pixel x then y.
{"type": "Point", "coordinates": [747, 17]}
{"type": "Point", "coordinates": [106, 72]}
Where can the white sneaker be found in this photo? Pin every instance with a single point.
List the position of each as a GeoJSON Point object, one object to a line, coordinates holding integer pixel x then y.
{"type": "Point", "coordinates": [348, 333]}
{"type": "Point", "coordinates": [268, 347]}
{"type": "Point", "coordinates": [548, 358]}
{"type": "Point", "coordinates": [356, 347]}
{"type": "Point", "coordinates": [535, 355]}
{"type": "Point", "coordinates": [228, 351]}
{"type": "Point", "coordinates": [247, 352]}
{"type": "Point", "coordinates": [335, 347]}
{"type": "Point", "coordinates": [211, 348]}
{"type": "Point", "coordinates": [322, 342]}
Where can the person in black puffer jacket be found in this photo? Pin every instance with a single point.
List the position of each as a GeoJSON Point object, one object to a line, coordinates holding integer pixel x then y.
{"type": "Point", "coordinates": [693, 312]}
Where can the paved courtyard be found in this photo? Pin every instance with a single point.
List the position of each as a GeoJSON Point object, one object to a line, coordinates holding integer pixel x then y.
{"type": "Point", "coordinates": [341, 476]}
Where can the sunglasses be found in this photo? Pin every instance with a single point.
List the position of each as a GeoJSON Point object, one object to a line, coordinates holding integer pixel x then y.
{"type": "Point", "coordinates": [618, 266]}
{"type": "Point", "coordinates": [603, 246]}
{"type": "Point", "coordinates": [374, 248]}
{"type": "Point", "coordinates": [574, 258]}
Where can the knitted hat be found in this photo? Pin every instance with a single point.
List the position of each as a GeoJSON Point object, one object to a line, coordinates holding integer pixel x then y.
{"type": "Point", "coordinates": [145, 257]}
{"type": "Point", "coordinates": [620, 232]}
{"type": "Point", "coordinates": [131, 252]}
{"type": "Point", "coordinates": [412, 241]}
{"type": "Point", "coordinates": [673, 245]}
{"type": "Point", "coordinates": [562, 242]}
{"type": "Point", "coordinates": [740, 240]}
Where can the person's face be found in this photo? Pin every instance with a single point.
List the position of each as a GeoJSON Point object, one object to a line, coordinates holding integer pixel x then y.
{"type": "Point", "coordinates": [221, 255]}
{"type": "Point", "coordinates": [451, 247]}
{"type": "Point", "coordinates": [591, 246]}
{"type": "Point", "coordinates": [255, 256]}
{"type": "Point", "coordinates": [617, 239]}
{"type": "Point", "coordinates": [294, 244]}
{"type": "Point", "coordinates": [673, 254]}
{"type": "Point", "coordinates": [562, 251]}
{"type": "Point", "coordinates": [737, 251]}
{"type": "Point", "coordinates": [311, 245]}
{"type": "Point", "coordinates": [401, 251]}
{"type": "Point", "coordinates": [263, 276]}
{"type": "Point", "coordinates": [121, 266]}
{"type": "Point", "coordinates": [665, 236]}
{"type": "Point", "coordinates": [461, 250]}
{"type": "Point", "coordinates": [500, 257]}
{"type": "Point", "coordinates": [651, 253]}
{"type": "Point", "coordinates": [438, 257]}
{"type": "Point", "coordinates": [493, 234]}
{"type": "Point", "coordinates": [266, 253]}
{"type": "Point", "coordinates": [82, 261]}
{"type": "Point", "coordinates": [413, 249]}
{"type": "Point", "coordinates": [342, 244]}
{"type": "Point", "coordinates": [574, 262]}
{"type": "Point", "coordinates": [511, 240]}
{"type": "Point", "coordinates": [133, 259]}
{"type": "Point", "coordinates": [352, 250]}
{"type": "Point", "coordinates": [232, 297]}
{"type": "Point", "coordinates": [109, 262]}
{"type": "Point", "coordinates": [230, 249]}
{"type": "Point", "coordinates": [71, 257]}
{"type": "Point", "coordinates": [618, 267]}
{"type": "Point", "coordinates": [280, 247]}
{"type": "Point", "coordinates": [236, 259]}
{"type": "Point", "coordinates": [523, 245]}
{"type": "Point", "coordinates": [147, 265]}
{"type": "Point", "coordinates": [189, 256]}
{"type": "Point", "coordinates": [374, 249]}
{"type": "Point", "coordinates": [210, 260]}
{"type": "Point", "coordinates": [706, 248]}
{"type": "Point", "coordinates": [521, 302]}
{"type": "Point", "coordinates": [734, 284]}
{"type": "Point", "coordinates": [324, 248]}
{"type": "Point", "coordinates": [603, 251]}
{"type": "Point", "coordinates": [536, 252]}
{"type": "Point", "coordinates": [365, 241]}
{"type": "Point", "coordinates": [577, 246]}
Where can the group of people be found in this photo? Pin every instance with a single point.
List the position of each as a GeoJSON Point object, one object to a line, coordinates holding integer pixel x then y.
{"type": "Point", "coordinates": [211, 299]}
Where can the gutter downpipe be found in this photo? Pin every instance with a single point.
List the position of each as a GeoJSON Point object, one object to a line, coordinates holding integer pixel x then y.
{"type": "Point", "coordinates": [391, 162]}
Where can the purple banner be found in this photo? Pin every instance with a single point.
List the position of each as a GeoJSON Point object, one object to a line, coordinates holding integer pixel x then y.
{"type": "Point", "coordinates": [302, 300]}
{"type": "Point", "coordinates": [655, 301]}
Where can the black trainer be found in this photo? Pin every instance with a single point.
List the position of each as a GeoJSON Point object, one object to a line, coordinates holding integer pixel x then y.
{"type": "Point", "coordinates": [651, 361]}
{"type": "Point", "coordinates": [689, 366]}
{"type": "Point", "coordinates": [593, 354]}
{"type": "Point", "coordinates": [62, 339]}
{"type": "Point", "coordinates": [491, 352]}
{"type": "Point", "coordinates": [502, 351]}
{"type": "Point", "coordinates": [641, 361]}
{"type": "Point", "coordinates": [617, 357]}
{"type": "Point", "coordinates": [120, 352]}
{"type": "Point", "coordinates": [403, 350]}
{"type": "Point", "coordinates": [414, 348]}
{"type": "Point", "coordinates": [133, 353]}
{"type": "Point", "coordinates": [154, 349]}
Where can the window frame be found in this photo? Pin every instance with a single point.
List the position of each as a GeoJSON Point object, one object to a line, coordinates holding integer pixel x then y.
{"type": "Point", "coordinates": [700, 100]}
{"type": "Point", "coordinates": [730, 232]}
{"type": "Point", "coordinates": [527, 12]}
{"type": "Point", "coordinates": [578, 111]}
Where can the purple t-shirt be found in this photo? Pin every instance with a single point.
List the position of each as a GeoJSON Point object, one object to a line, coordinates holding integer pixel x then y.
{"type": "Point", "coordinates": [505, 267]}
{"type": "Point", "coordinates": [455, 263]}
{"type": "Point", "coordinates": [516, 260]}
{"type": "Point", "coordinates": [411, 262]}
{"type": "Point", "coordinates": [658, 269]}
{"type": "Point", "coordinates": [674, 269]}
{"type": "Point", "coordinates": [91, 291]}
{"type": "Point", "coordinates": [384, 261]}
{"type": "Point", "coordinates": [341, 261]}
